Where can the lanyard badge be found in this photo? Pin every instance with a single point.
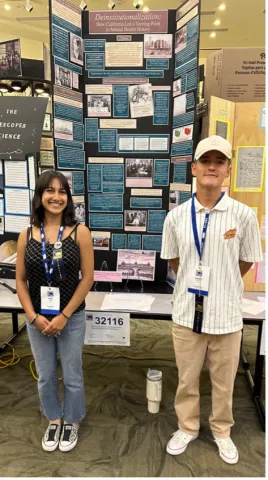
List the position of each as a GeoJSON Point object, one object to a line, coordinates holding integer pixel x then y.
{"type": "Point", "coordinates": [56, 258]}
{"type": "Point", "coordinates": [198, 281]}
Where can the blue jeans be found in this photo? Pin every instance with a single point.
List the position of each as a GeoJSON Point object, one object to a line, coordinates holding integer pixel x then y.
{"type": "Point", "coordinates": [69, 345]}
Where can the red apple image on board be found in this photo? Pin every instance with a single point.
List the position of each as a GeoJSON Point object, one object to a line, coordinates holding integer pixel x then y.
{"type": "Point", "coordinates": [187, 131]}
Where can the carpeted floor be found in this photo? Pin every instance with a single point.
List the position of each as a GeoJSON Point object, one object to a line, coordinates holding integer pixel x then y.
{"type": "Point", "coordinates": [118, 437]}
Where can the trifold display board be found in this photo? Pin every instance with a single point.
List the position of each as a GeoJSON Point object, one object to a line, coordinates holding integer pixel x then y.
{"type": "Point", "coordinates": [124, 124]}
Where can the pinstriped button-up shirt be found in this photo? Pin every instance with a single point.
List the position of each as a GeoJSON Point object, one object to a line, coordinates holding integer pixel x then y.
{"type": "Point", "coordinates": [232, 235]}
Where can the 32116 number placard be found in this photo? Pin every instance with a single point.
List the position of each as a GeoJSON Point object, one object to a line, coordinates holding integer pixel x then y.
{"type": "Point", "coordinates": [107, 328]}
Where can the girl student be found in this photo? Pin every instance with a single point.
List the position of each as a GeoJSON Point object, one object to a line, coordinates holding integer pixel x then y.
{"type": "Point", "coordinates": [51, 253]}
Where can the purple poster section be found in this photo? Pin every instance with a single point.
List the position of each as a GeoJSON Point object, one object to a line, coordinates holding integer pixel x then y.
{"type": "Point", "coordinates": [107, 22]}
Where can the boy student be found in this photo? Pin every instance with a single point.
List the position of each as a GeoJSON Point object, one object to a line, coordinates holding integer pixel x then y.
{"type": "Point", "coordinates": [210, 241]}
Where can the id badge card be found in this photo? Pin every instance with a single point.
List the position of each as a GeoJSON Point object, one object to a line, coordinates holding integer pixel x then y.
{"type": "Point", "coordinates": [198, 280]}
{"type": "Point", "coordinates": [50, 300]}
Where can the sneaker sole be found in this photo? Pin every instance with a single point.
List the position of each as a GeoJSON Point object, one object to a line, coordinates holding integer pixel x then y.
{"type": "Point", "coordinates": [49, 449]}
{"type": "Point", "coordinates": [68, 447]}
{"type": "Point", "coordinates": [231, 461]}
{"type": "Point", "coordinates": [179, 450]}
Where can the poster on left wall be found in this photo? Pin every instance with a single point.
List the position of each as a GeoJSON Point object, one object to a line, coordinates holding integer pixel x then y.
{"type": "Point", "coordinates": [10, 58]}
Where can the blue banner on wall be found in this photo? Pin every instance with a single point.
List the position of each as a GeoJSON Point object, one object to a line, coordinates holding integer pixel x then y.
{"type": "Point", "coordinates": [67, 112]}
{"type": "Point", "coordinates": [145, 202]}
{"type": "Point", "coordinates": [134, 242]}
{"type": "Point", "coordinates": [119, 241]}
{"type": "Point", "coordinates": [78, 183]}
{"type": "Point", "coordinates": [94, 61]}
{"type": "Point", "coordinates": [78, 132]}
{"type": "Point", "coordinates": [113, 172]}
{"type": "Point", "coordinates": [126, 74]}
{"type": "Point", "coordinates": [69, 144]}
{"type": "Point", "coordinates": [91, 130]}
{"type": "Point", "coordinates": [120, 101]}
{"type": "Point", "coordinates": [184, 119]}
{"type": "Point", "coordinates": [156, 220]}
{"type": "Point", "coordinates": [152, 242]}
{"type": "Point", "coordinates": [108, 140]}
{"type": "Point", "coordinates": [105, 202]}
{"type": "Point", "coordinates": [106, 220]}
{"type": "Point", "coordinates": [94, 177]}
{"type": "Point", "coordinates": [161, 172]}
{"type": "Point", "coordinates": [179, 173]}
{"type": "Point", "coordinates": [60, 43]}
{"type": "Point", "coordinates": [67, 160]}
{"type": "Point", "coordinates": [161, 108]}
{"type": "Point", "coordinates": [157, 63]}
{"type": "Point", "coordinates": [94, 45]}
{"type": "Point", "coordinates": [182, 148]}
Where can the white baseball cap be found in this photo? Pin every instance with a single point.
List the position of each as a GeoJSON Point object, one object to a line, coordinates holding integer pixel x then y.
{"type": "Point", "coordinates": [215, 142]}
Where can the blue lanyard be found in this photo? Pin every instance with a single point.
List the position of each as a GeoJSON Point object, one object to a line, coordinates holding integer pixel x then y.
{"type": "Point", "coordinates": [200, 248]}
{"type": "Point", "coordinates": [49, 270]}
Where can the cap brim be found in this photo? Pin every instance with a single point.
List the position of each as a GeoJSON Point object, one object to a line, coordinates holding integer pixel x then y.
{"type": "Point", "coordinates": [218, 149]}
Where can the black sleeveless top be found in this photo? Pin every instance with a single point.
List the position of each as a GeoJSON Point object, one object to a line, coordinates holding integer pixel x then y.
{"type": "Point", "coordinates": [36, 272]}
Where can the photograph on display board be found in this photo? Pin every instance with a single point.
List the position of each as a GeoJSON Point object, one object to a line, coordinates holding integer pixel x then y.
{"type": "Point", "coordinates": [76, 49]}
{"type": "Point", "coordinates": [178, 195]}
{"type": "Point", "coordinates": [179, 105]}
{"type": "Point", "coordinates": [182, 134]}
{"type": "Point", "coordinates": [99, 105]}
{"type": "Point", "coordinates": [136, 264]}
{"type": "Point", "coordinates": [177, 87]}
{"type": "Point", "coordinates": [101, 240]}
{"type": "Point", "coordinates": [139, 172]}
{"type": "Point", "coordinates": [180, 39]}
{"type": "Point", "coordinates": [69, 177]}
{"type": "Point", "coordinates": [80, 212]}
{"type": "Point", "coordinates": [135, 220]}
{"type": "Point", "coordinates": [174, 199]}
{"type": "Point", "coordinates": [63, 129]}
{"type": "Point", "coordinates": [141, 100]}
{"type": "Point", "coordinates": [158, 45]}
{"type": "Point", "coordinates": [10, 58]}
{"type": "Point", "coordinates": [63, 76]}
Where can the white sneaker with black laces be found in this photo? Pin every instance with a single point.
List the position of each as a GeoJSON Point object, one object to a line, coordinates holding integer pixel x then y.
{"type": "Point", "coordinates": [69, 437]}
{"type": "Point", "coordinates": [227, 450]}
{"type": "Point", "coordinates": [179, 442]}
{"type": "Point", "coordinates": [50, 440]}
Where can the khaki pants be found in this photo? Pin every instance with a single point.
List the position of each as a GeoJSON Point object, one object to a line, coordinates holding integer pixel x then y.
{"type": "Point", "coordinates": [222, 356]}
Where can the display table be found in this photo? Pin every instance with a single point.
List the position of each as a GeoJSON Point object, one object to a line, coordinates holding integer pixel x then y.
{"type": "Point", "coordinates": [161, 309]}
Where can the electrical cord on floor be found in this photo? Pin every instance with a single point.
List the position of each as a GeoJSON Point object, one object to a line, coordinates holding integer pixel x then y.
{"type": "Point", "coordinates": [15, 359]}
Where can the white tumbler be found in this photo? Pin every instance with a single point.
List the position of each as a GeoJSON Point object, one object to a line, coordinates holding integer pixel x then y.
{"type": "Point", "coordinates": [154, 390]}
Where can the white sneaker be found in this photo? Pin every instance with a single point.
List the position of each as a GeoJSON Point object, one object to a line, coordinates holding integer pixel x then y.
{"type": "Point", "coordinates": [50, 440]}
{"type": "Point", "coordinates": [69, 436]}
{"type": "Point", "coordinates": [227, 450]}
{"type": "Point", "coordinates": [179, 442]}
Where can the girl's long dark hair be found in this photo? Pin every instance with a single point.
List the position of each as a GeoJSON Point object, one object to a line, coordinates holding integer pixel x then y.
{"type": "Point", "coordinates": [42, 183]}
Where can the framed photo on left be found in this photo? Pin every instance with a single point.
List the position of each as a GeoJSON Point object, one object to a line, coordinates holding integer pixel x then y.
{"type": "Point", "coordinates": [46, 158]}
{"type": "Point", "coordinates": [47, 123]}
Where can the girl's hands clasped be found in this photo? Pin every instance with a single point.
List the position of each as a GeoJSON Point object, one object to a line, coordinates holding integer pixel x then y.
{"type": "Point", "coordinates": [56, 325]}
{"type": "Point", "coordinates": [41, 322]}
